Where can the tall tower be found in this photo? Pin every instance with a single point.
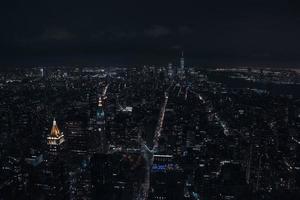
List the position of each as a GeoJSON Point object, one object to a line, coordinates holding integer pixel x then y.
{"type": "Point", "coordinates": [55, 183]}
{"type": "Point", "coordinates": [182, 61]}
{"type": "Point", "coordinates": [100, 111]}
{"type": "Point", "coordinates": [100, 126]}
{"type": "Point", "coordinates": [170, 70]}
{"type": "Point", "coordinates": [42, 72]}
{"type": "Point", "coordinates": [55, 141]}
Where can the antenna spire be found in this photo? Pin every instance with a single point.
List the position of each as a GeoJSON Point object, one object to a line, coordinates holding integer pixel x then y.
{"type": "Point", "coordinates": [55, 132]}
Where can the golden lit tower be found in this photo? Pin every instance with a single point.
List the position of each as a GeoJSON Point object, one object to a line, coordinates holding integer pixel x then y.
{"type": "Point", "coordinates": [55, 140]}
{"type": "Point", "coordinates": [56, 187]}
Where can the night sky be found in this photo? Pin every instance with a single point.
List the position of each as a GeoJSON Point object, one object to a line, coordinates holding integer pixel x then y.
{"type": "Point", "coordinates": [144, 31]}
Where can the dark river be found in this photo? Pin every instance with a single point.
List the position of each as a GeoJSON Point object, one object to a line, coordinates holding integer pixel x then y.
{"type": "Point", "coordinates": [275, 89]}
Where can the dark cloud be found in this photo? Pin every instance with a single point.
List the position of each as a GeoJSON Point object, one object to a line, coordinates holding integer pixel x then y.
{"type": "Point", "coordinates": [157, 31]}
{"type": "Point", "coordinates": [58, 34]}
{"type": "Point", "coordinates": [246, 30]}
{"type": "Point", "coordinates": [185, 30]}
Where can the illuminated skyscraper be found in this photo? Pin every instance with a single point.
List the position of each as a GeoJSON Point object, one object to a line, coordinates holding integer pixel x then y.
{"type": "Point", "coordinates": [180, 70]}
{"type": "Point", "coordinates": [100, 124]}
{"type": "Point", "coordinates": [42, 72]}
{"type": "Point", "coordinates": [55, 184]}
{"type": "Point", "coordinates": [55, 141]}
{"type": "Point", "coordinates": [100, 112]}
{"type": "Point", "coordinates": [97, 128]}
{"type": "Point", "coordinates": [170, 70]}
{"type": "Point", "coordinates": [182, 61]}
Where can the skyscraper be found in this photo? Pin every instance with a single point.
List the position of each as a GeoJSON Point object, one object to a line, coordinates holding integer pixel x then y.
{"type": "Point", "coordinates": [182, 61]}
{"type": "Point", "coordinates": [76, 137]}
{"type": "Point", "coordinates": [170, 70]}
{"type": "Point", "coordinates": [55, 141]}
{"type": "Point", "coordinates": [42, 72]}
{"type": "Point", "coordinates": [181, 70]}
{"type": "Point", "coordinates": [100, 124]}
{"type": "Point", "coordinates": [55, 184]}
{"type": "Point", "coordinates": [97, 128]}
{"type": "Point", "coordinates": [100, 112]}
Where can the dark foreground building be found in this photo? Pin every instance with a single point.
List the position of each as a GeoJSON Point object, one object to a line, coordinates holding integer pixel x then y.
{"type": "Point", "coordinates": [116, 176]}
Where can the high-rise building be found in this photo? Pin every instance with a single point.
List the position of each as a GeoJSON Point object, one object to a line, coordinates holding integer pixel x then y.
{"type": "Point", "coordinates": [76, 137]}
{"type": "Point", "coordinates": [97, 129]}
{"type": "Point", "coordinates": [182, 61]}
{"type": "Point", "coordinates": [117, 176]}
{"type": "Point", "coordinates": [55, 185]}
{"type": "Point", "coordinates": [42, 72]}
{"type": "Point", "coordinates": [100, 124]}
{"type": "Point", "coordinates": [181, 70]}
{"type": "Point", "coordinates": [170, 70]}
{"type": "Point", "coordinates": [55, 141]}
{"type": "Point", "coordinates": [167, 179]}
{"type": "Point", "coordinates": [100, 111]}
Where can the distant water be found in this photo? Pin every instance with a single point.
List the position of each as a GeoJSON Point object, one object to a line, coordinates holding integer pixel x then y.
{"type": "Point", "coordinates": [275, 89]}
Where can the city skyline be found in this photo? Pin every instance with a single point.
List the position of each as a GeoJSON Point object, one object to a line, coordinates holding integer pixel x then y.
{"type": "Point", "coordinates": [150, 100]}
